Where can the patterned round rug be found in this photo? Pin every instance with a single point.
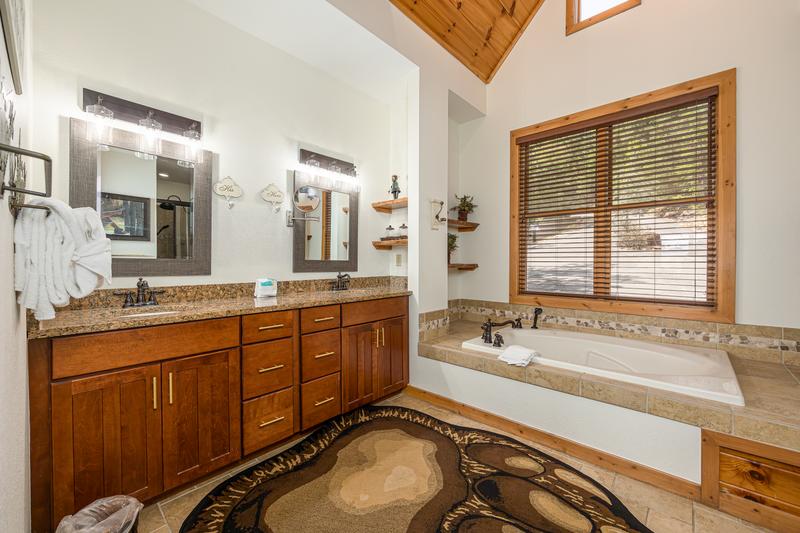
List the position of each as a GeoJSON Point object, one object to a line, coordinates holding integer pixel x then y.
{"type": "Point", "coordinates": [392, 469]}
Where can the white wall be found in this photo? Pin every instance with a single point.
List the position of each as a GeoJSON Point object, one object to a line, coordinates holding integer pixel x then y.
{"type": "Point", "coordinates": [660, 43]}
{"type": "Point", "coordinates": [14, 436]}
{"type": "Point", "coordinates": [256, 103]}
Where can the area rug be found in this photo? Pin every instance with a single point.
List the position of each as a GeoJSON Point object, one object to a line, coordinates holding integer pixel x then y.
{"type": "Point", "coordinates": [392, 469]}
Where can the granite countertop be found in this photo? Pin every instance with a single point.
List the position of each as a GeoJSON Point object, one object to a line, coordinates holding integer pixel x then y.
{"type": "Point", "coordinates": [94, 320]}
{"type": "Point", "coordinates": [771, 390]}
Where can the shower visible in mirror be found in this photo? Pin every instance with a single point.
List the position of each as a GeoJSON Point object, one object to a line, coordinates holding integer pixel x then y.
{"type": "Point", "coordinates": [327, 223]}
{"type": "Point", "coordinates": [146, 204]}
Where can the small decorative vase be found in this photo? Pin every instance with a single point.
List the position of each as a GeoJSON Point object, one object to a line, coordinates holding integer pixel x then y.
{"type": "Point", "coordinates": [462, 216]}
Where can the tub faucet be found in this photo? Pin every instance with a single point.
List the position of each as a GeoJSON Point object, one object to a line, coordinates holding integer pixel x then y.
{"type": "Point", "coordinates": [487, 326]}
{"type": "Point", "coordinates": [498, 341]}
{"type": "Point", "coordinates": [536, 312]}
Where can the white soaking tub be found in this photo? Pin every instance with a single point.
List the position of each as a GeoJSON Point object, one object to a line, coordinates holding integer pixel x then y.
{"type": "Point", "coordinates": [698, 372]}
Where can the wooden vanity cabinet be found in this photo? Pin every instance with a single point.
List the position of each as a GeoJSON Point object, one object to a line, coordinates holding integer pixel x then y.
{"type": "Point", "coordinates": [360, 345]}
{"type": "Point", "coordinates": [106, 431]}
{"type": "Point", "coordinates": [201, 421]}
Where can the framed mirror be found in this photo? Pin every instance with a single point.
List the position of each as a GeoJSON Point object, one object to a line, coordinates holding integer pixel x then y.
{"type": "Point", "coordinates": [154, 204]}
{"type": "Point", "coordinates": [325, 228]}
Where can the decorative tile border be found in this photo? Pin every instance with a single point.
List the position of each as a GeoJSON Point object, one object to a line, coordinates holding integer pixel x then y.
{"type": "Point", "coordinates": [763, 343]}
{"type": "Point", "coordinates": [434, 324]}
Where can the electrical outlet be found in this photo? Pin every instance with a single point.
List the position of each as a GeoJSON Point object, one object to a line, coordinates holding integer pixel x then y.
{"type": "Point", "coordinates": [398, 260]}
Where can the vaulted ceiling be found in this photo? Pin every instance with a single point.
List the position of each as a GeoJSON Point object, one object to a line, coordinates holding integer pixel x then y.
{"type": "Point", "coordinates": [479, 33]}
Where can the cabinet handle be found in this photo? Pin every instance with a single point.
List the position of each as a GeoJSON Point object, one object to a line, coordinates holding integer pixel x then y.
{"type": "Point", "coordinates": [383, 336]}
{"type": "Point", "coordinates": [323, 402]}
{"type": "Point", "coordinates": [155, 393]}
{"type": "Point", "coordinates": [273, 421]}
{"type": "Point", "coordinates": [321, 355]}
{"type": "Point", "coordinates": [273, 326]}
{"type": "Point", "coordinates": [377, 338]}
{"type": "Point", "coordinates": [170, 388]}
{"type": "Point", "coordinates": [276, 367]}
{"type": "Point", "coordinates": [324, 319]}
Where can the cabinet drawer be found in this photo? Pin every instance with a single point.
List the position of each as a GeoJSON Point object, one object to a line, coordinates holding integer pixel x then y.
{"type": "Point", "coordinates": [321, 400]}
{"type": "Point", "coordinates": [267, 326]}
{"type": "Point", "coordinates": [363, 312]}
{"type": "Point", "coordinates": [320, 318]}
{"type": "Point", "coordinates": [84, 354]}
{"type": "Point", "coordinates": [321, 354]}
{"type": "Point", "coordinates": [266, 367]}
{"type": "Point", "coordinates": [267, 420]}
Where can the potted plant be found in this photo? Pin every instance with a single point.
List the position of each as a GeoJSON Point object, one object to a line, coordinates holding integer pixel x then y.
{"type": "Point", "coordinates": [452, 244]}
{"type": "Point", "coordinates": [465, 207]}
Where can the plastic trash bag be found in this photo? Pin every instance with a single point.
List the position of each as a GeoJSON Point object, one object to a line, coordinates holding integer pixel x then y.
{"type": "Point", "coordinates": [115, 514]}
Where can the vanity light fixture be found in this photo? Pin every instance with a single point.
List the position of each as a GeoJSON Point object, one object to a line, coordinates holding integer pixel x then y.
{"type": "Point", "coordinates": [100, 130]}
{"type": "Point", "coordinates": [150, 141]}
{"type": "Point", "coordinates": [192, 150]}
{"type": "Point", "coordinates": [163, 175]}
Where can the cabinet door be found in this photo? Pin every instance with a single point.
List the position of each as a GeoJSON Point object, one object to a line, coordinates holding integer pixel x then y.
{"type": "Point", "coordinates": [202, 426]}
{"type": "Point", "coordinates": [106, 434]}
{"type": "Point", "coordinates": [393, 356]}
{"type": "Point", "coordinates": [359, 374]}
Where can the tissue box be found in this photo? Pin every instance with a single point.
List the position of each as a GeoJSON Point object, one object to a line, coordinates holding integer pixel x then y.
{"type": "Point", "coordinates": [266, 287]}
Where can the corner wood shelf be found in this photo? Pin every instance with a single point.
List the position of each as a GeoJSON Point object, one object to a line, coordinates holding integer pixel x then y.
{"type": "Point", "coordinates": [462, 225]}
{"type": "Point", "coordinates": [388, 245]}
{"type": "Point", "coordinates": [387, 206]}
{"type": "Point", "coordinates": [462, 266]}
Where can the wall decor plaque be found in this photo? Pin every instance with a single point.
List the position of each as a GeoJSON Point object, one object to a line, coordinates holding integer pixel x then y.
{"type": "Point", "coordinates": [228, 189]}
{"type": "Point", "coordinates": [273, 195]}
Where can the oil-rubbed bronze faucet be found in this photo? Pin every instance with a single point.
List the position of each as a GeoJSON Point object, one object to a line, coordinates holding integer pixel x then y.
{"type": "Point", "coordinates": [488, 325]}
{"type": "Point", "coordinates": [536, 312]}
{"type": "Point", "coordinates": [342, 282]}
{"type": "Point", "coordinates": [145, 296]}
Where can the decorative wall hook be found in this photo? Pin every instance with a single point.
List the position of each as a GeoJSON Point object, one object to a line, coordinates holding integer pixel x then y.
{"type": "Point", "coordinates": [228, 189]}
{"type": "Point", "coordinates": [273, 195]}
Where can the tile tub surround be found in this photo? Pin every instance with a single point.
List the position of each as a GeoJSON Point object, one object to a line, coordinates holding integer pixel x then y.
{"type": "Point", "coordinates": [772, 392]}
{"type": "Point", "coordinates": [97, 319]}
{"type": "Point", "coordinates": [434, 324]}
{"type": "Point", "coordinates": [763, 343]}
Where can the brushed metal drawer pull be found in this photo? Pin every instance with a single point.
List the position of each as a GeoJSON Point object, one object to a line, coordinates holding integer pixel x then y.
{"type": "Point", "coordinates": [273, 421]}
{"type": "Point", "coordinates": [323, 402]}
{"type": "Point", "coordinates": [324, 319]}
{"type": "Point", "coordinates": [155, 393]}
{"type": "Point", "coordinates": [170, 388]}
{"type": "Point", "coordinates": [326, 354]}
{"type": "Point", "coordinates": [276, 367]}
{"type": "Point", "coordinates": [273, 326]}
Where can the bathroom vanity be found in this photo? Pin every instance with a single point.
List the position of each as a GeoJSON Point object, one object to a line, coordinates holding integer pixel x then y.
{"type": "Point", "coordinates": [141, 410]}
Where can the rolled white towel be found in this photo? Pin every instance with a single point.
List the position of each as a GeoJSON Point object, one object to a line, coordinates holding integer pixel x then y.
{"type": "Point", "coordinates": [517, 355]}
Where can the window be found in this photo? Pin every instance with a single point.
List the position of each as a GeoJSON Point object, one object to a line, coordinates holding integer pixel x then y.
{"type": "Point", "coordinates": [630, 207]}
{"type": "Point", "coordinates": [584, 13]}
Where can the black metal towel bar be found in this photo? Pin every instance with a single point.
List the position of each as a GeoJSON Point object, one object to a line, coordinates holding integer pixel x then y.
{"type": "Point", "coordinates": [48, 179]}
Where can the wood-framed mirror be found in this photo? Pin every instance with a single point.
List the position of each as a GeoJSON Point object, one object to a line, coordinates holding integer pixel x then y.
{"type": "Point", "coordinates": [154, 201]}
{"type": "Point", "coordinates": [325, 224]}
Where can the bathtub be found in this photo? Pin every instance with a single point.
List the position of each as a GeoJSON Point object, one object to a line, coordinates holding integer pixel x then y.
{"type": "Point", "coordinates": [702, 373]}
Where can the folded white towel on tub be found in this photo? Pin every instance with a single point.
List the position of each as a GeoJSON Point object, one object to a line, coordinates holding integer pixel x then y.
{"type": "Point", "coordinates": [517, 355]}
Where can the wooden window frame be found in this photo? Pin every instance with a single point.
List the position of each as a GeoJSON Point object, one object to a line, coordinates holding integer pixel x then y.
{"type": "Point", "coordinates": [724, 311]}
{"type": "Point", "coordinates": [574, 22]}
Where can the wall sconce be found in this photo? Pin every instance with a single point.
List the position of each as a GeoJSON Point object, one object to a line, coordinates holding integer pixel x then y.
{"type": "Point", "coordinates": [100, 130]}
{"type": "Point", "coordinates": [150, 141]}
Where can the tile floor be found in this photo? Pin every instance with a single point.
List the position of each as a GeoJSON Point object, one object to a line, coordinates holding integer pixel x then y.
{"type": "Point", "coordinates": [661, 511]}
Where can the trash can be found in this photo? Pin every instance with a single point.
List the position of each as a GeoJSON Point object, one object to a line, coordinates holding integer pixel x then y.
{"type": "Point", "coordinates": [115, 514]}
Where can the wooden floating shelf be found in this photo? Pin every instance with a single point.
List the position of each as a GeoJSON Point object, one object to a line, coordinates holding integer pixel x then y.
{"type": "Point", "coordinates": [462, 225]}
{"type": "Point", "coordinates": [462, 266]}
{"type": "Point", "coordinates": [387, 206]}
{"type": "Point", "coordinates": [388, 245]}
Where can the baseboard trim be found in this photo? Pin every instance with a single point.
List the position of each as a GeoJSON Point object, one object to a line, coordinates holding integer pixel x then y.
{"type": "Point", "coordinates": [617, 464]}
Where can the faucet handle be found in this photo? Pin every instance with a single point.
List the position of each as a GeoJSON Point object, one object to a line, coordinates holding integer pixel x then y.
{"type": "Point", "coordinates": [153, 293]}
{"type": "Point", "coordinates": [128, 298]}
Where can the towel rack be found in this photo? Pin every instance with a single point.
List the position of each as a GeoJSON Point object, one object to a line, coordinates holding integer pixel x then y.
{"type": "Point", "coordinates": [19, 191]}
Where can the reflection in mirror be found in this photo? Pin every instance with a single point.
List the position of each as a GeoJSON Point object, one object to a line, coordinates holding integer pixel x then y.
{"type": "Point", "coordinates": [146, 204]}
{"type": "Point", "coordinates": [327, 237]}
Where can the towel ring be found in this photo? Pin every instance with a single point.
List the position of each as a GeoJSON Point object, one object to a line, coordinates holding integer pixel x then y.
{"type": "Point", "coordinates": [15, 202]}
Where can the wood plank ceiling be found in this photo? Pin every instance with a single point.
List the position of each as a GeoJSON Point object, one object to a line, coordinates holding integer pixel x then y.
{"type": "Point", "coordinates": [479, 33]}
